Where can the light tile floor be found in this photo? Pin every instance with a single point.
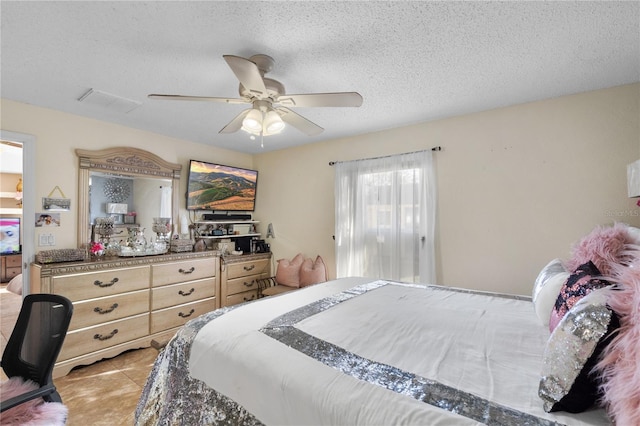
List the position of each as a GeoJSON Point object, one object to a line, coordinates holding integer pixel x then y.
{"type": "Point", "coordinates": [103, 393]}
{"type": "Point", "coordinates": [106, 392]}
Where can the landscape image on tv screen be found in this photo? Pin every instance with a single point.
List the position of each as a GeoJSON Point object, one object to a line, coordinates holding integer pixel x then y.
{"type": "Point", "coordinates": [218, 187]}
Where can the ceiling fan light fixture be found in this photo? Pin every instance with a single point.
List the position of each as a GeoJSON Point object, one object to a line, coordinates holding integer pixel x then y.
{"type": "Point", "coordinates": [273, 124]}
{"type": "Point", "coordinates": [265, 93]}
{"type": "Point", "coordinates": [253, 121]}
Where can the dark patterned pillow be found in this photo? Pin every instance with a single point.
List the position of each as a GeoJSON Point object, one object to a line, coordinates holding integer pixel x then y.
{"type": "Point", "coordinates": [580, 283]}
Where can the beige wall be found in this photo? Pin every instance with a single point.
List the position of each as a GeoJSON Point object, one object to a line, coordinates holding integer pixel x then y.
{"type": "Point", "coordinates": [516, 186]}
{"type": "Point", "coordinates": [58, 134]}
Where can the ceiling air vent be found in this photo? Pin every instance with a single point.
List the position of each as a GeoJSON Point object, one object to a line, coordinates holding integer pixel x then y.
{"type": "Point", "coordinates": [109, 101]}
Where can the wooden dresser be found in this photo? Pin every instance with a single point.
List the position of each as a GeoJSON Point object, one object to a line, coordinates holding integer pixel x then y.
{"type": "Point", "coordinates": [239, 275]}
{"type": "Point", "coordinates": [11, 266]}
{"type": "Point", "coordinates": [125, 303]}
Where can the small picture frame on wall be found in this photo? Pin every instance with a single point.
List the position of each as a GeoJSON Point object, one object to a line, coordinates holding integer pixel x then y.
{"type": "Point", "coordinates": [56, 204]}
{"type": "Point", "coordinates": [50, 203]}
{"type": "Point", "coordinates": [47, 219]}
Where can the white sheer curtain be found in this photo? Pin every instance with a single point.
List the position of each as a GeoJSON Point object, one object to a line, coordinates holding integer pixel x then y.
{"type": "Point", "coordinates": [385, 217]}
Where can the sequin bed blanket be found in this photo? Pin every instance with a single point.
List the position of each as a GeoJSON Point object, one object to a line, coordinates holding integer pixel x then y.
{"type": "Point", "coordinates": [357, 352]}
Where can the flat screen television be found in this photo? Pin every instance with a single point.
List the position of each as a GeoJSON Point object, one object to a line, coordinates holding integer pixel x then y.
{"type": "Point", "coordinates": [9, 235]}
{"type": "Point", "coordinates": [222, 188]}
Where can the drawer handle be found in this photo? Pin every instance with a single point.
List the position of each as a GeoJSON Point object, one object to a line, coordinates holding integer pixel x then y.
{"type": "Point", "coordinates": [253, 296]}
{"type": "Point", "coordinates": [182, 293]}
{"type": "Point", "coordinates": [105, 311]}
{"type": "Point", "coordinates": [109, 284]}
{"type": "Point", "coordinates": [249, 268]}
{"type": "Point", "coordinates": [186, 271]}
{"type": "Point", "coordinates": [101, 337]}
{"type": "Point", "coordinates": [250, 284]}
{"type": "Point", "coordinates": [186, 315]}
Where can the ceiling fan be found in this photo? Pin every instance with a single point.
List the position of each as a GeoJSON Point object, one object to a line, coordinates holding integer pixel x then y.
{"type": "Point", "coordinates": [270, 105]}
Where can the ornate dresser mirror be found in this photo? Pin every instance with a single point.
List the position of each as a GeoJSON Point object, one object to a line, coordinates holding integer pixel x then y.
{"type": "Point", "coordinates": [129, 184]}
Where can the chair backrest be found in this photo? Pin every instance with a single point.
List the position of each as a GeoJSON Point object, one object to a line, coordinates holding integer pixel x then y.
{"type": "Point", "coordinates": [37, 337]}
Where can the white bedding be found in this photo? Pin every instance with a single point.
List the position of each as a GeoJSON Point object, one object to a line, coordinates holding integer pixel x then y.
{"type": "Point", "coordinates": [487, 347]}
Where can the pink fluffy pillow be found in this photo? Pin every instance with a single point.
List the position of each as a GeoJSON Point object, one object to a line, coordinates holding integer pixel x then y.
{"type": "Point", "coordinates": [604, 246]}
{"type": "Point", "coordinates": [288, 271]}
{"type": "Point", "coordinates": [34, 412]}
{"type": "Point", "coordinates": [313, 272]}
{"type": "Point", "coordinates": [619, 366]}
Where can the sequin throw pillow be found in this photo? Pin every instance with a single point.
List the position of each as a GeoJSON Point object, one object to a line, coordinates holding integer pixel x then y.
{"type": "Point", "coordinates": [580, 283]}
{"type": "Point", "coordinates": [567, 382]}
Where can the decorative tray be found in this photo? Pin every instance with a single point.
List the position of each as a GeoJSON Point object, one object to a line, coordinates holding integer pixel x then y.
{"type": "Point", "coordinates": [136, 253]}
{"type": "Point", "coordinates": [60, 255]}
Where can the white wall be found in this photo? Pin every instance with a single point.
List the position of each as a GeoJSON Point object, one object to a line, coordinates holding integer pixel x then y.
{"type": "Point", "coordinates": [516, 186]}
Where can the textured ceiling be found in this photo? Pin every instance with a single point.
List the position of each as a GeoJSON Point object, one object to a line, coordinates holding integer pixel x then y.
{"type": "Point", "coordinates": [411, 61]}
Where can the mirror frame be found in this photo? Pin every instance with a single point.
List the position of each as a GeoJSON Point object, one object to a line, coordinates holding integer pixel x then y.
{"type": "Point", "coordinates": [121, 161]}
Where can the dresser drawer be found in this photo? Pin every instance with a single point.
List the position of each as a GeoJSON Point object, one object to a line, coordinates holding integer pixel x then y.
{"type": "Point", "coordinates": [91, 339]}
{"type": "Point", "coordinates": [245, 296]}
{"type": "Point", "coordinates": [13, 261]}
{"type": "Point", "coordinates": [242, 269]}
{"type": "Point", "coordinates": [91, 285]}
{"type": "Point", "coordinates": [175, 272]}
{"type": "Point", "coordinates": [177, 294]}
{"type": "Point", "coordinates": [97, 311]}
{"type": "Point", "coordinates": [238, 285]}
{"type": "Point", "coordinates": [177, 316]}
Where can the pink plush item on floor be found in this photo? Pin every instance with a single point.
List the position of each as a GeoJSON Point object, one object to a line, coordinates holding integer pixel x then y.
{"type": "Point", "coordinates": [604, 246]}
{"type": "Point", "coordinates": [32, 413]}
{"type": "Point", "coordinates": [619, 366]}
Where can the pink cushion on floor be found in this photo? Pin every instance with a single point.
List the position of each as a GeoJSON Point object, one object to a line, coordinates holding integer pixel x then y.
{"type": "Point", "coordinates": [313, 272]}
{"type": "Point", "coordinates": [288, 271]}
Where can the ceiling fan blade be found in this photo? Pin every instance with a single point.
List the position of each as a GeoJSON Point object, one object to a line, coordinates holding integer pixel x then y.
{"type": "Point", "coordinates": [299, 122]}
{"type": "Point", "coordinates": [198, 98]}
{"type": "Point", "coordinates": [248, 73]}
{"type": "Point", "coordinates": [235, 124]}
{"type": "Point", "coordinates": [341, 99]}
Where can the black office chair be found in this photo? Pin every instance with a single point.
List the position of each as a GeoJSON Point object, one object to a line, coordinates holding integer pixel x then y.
{"type": "Point", "coordinates": [34, 345]}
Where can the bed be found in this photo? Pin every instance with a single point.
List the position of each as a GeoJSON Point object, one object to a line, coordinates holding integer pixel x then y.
{"type": "Point", "coordinates": [358, 351]}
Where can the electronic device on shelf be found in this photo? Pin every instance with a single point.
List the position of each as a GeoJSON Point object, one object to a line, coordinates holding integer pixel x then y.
{"type": "Point", "coordinates": [10, 229]}
{"type": "Point", "coordinates": [218, 187]}
{"type": "Point", "coordinates": [225, 216]}
{"type": "Point", "coordinates": [262, 246]}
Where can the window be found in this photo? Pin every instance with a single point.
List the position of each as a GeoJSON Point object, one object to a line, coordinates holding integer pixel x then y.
{"type": "Point", "coordinates": [385, 218]}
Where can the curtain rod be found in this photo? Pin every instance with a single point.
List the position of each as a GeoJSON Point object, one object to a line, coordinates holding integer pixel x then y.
{"type": "Point", "coordinates": [435, 148]}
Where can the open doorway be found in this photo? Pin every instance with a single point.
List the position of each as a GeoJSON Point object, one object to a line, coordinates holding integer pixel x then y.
{"type": "Point", "coordinates": [21, 166]}
{"type": "Point", "coordinates": [11, 218]}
